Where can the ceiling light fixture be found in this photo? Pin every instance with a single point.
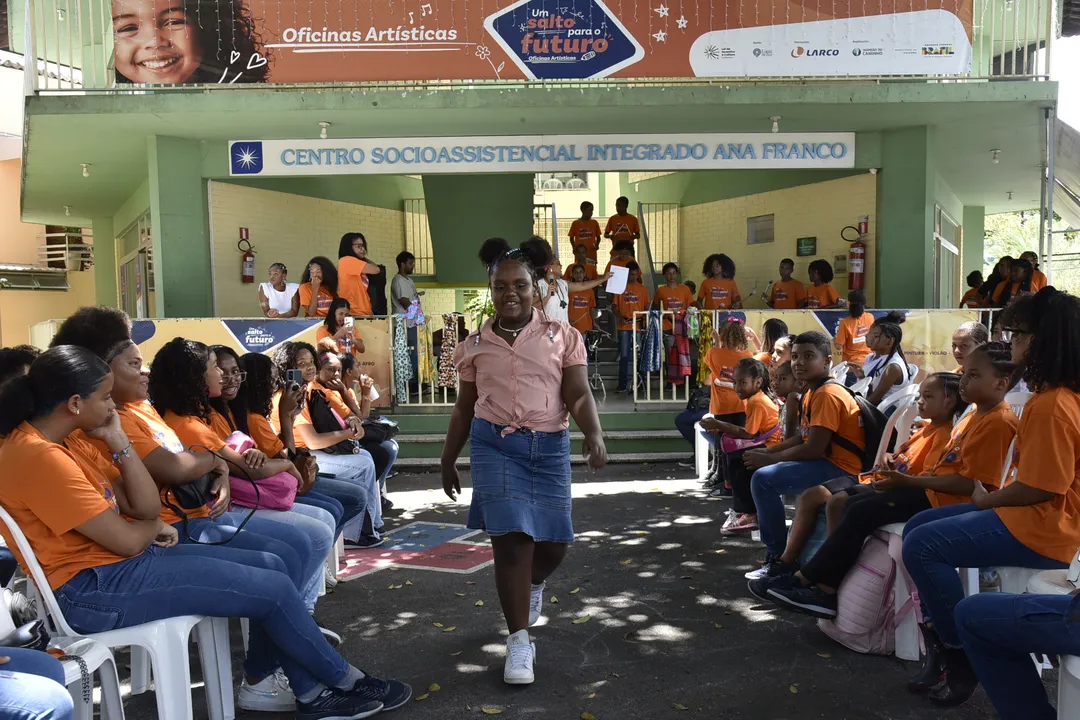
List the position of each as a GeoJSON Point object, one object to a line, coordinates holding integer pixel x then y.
{"type": "Point", "coordinates": [85, 169]}
{"type": "Point", "coordinates": [67, 211]}
{"type": "Point", "coordinates": [775, 122]}
{"type": "Point", "coordinates": [1009, 195]}
{"type": "Point", "coordinates": [995, 156]}
{"type": "Point", "coordinates": [322, 133]}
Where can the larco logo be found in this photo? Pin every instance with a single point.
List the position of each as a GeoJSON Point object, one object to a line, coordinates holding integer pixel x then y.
{"type": "Point", "coordinates": [799, 51]}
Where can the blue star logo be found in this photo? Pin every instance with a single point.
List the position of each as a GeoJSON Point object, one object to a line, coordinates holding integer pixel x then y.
{"type": "Point", "coordinates": [245, 158]}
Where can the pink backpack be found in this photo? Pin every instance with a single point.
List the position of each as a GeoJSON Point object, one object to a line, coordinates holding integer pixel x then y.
{"type": "Point", "coordinates": [866, 617]}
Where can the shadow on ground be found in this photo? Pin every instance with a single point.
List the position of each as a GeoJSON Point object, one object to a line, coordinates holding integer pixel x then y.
{"type": "Point", "coordinates": [671, 630]}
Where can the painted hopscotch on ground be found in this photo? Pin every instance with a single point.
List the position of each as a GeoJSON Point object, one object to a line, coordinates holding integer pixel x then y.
{"type": "Point", "coordinates": [421, 546]}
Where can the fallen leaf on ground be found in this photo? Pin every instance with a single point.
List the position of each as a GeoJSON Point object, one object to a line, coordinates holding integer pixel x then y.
{"type": "Point", "coordinates": [575, 591]}
{"type": "Point", "coordinates": [438, 512]}
{"type": "Point", "coordinates": [587, 716]}
{"type": "Point", "coordinates": [442, 527]}
{"type": "Point", "coordinates": [434, 687]}
{"type": "Point", "coordinates": [438, 625]}
{"type": "Point", "coordinates": [794, 690]}
{"type": "Point", "coordinates": [718, 626]}
{"type": "Point", "coordinates": [491, 710]}
{"type": "Point", "coordinates": [479, 603]}
{"type": "Point", "coordinates": [684, 577]}
{"type": "Point", "coordinates": [456, 654]}
{"type": "Point", "coordinates": [625, 562]}
{"type": "Point", "coordinates": [469, 582]}
{"type": "Point", "coordinates": [581, 620]}
{"type": "Point", "coordinates": [591, 696]}
{"type": "Point", "coordinates": [554, 600]}
{"type": "Point", "coordinates": [693, 588]}
{"type": "Point", "coordinates": [425, 696]}
{"type": "Point", "coordinates": [677, 706]}
{"type": "Point", "coordinates": [720, 551]}
{"type": "Point", "coordinates": [408, 582]}
{"type": "Point", "coordinates": [824, 655]}
{"type": "Point", "coordinates": [460, 594]}
{"type": "Point", "coordinates": [452, 628]}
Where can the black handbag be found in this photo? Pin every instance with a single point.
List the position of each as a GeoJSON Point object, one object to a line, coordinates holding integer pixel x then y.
{"type": "Point", "coordinates": [31, 636]}
{"type": "Point", "coordinates": [699, 398]}
{"type": "Point", "coordinates": [192, 495]}
{"type": "Point", "coordinates": [378, 429]}
{"type": "Point", "coordinates": [324, 421]}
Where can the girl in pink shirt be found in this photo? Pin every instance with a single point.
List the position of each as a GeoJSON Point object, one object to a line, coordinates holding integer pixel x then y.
{"type": "Point", "coordinates": [520, 376]}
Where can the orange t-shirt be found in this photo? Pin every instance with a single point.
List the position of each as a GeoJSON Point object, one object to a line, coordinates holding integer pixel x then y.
{"type": "Point", "coordinates": [591, 272]}
{"type": "Point", "coordinates": [333, 397]}
{"type": "Point", "coordinates": [721, 363]}
{"type": "Point", "coordinates": [622, 227]}
{"type": "Point", "coordinates": [787, 295]}
{"type": "Point", "coordinates": [50, 490]}
{"type": "Point", "coordinates": [302, 418]}
{"type": "Point", "coordinates": [322, 309]}
{"type": "Point", "coordinates": [764, 357]}
{"type": "Point", "coordinates": [919, 453]}
{"type": "Point", "coordinates": [851, 337]}
{"type": "Point", "coordinates": [718, 293]}
{"type": "Point", "coordinates": [194, 430]}
{"type": "Point", "coordinates": [833, 408]}
{"type": "Point", "coordinates": [821, 296]}
{"type": "Point", "coordinates": [147, 433]}
{"type": "Point", "coordinates": [1048, 452]}
{"type": "Point", "coordinates": [676, 299]}
{"type": "Point", "coordinates": [977, 451]}
{"type": "Point", "coordinates": [587, 233]}
{"type": "Point", "coordinates": [1038, 280]}
{"type": "Point", "coordinates": [263, 434]}
{"type": "Point", "coordinates": [972, 299]}
{"type": "Point", "coordinates": [353, 284]}
{"type": "Point", "coordinates": [762, 415]}
{"type": "Point", "coordinates": [580, 310]}
{"type": "Point", "coordinates": [617, 260]}
{"type": "Point", "coordinates": [634, 298]}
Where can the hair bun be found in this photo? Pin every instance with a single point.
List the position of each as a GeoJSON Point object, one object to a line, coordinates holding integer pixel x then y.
{"type": "Point", "coordinates": [492, 249]}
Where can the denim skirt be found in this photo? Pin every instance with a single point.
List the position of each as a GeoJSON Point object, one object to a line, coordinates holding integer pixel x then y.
{"type": "Point", "coordinates": [521, 482]}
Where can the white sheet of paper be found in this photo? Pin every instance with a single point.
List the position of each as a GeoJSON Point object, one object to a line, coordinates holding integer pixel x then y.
{"type": "Point", "coordinates": [616, 284]}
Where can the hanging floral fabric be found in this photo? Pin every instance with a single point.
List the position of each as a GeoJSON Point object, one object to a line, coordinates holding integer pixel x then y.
{"type": "Point", "coordinates": [402, 358]}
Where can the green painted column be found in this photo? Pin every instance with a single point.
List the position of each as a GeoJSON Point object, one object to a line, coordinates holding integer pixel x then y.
{"type": "Point", "coordinates": [105, 262]}
{"type": "Point", "coordinates": [465, 210]}
{"type": "Point", "coordinates": [179, 211]}
{"type": "Point", "coordinates": [904, 224]}
{"type": "Point", "coordinates": [974, 237]}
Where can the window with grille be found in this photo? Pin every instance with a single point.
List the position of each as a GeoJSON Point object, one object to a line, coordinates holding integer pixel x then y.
{"type": "Point", "coordinates": [418, 236]}
{"type": "Point", "coordinates": [759, 230]}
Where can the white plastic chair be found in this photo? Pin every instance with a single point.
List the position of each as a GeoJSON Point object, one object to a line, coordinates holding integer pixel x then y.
{"type": "Point", "coordinates": [164, 641]}
{"type": "Point", "coordinates": [701, 452]}
{"type": "Point", "coordinates": [1017, 400]}
{"type": "Point", "coordinates": [900, 421]}
{"type": "Point", "coordinates": [839, 370]}
{"type": "Point", "coordinates": [1068, 700]}
{"type": "Point", "coordinates": [913, 370]}
{"type": "Point", "coordinates": [900, 398]}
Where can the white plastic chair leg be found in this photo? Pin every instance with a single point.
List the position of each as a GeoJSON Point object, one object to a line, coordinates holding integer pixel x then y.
{"type": "Point", "coordinates": [1068, 700]}
{"type": "Point", "coordinates": [82, 710]}
{"type": "Point", "coordinates": [969, 578]}
{"type": "Point", "coordinates": [244, 625]}
{"type": "Point", "coordinates": [172, 676]}
{"type": "Point", "coordinates": [140, 670]}
{"type": "Point", "coordinates": [213, 637]}
{"type": "Point", "coordinates": [112, 705]}
{"type": "Point", "coordinates": [701, 452]}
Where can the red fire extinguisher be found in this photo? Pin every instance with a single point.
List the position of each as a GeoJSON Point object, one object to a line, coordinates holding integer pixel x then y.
{"type": "Point", "coordinates": [247, 258]}
{"type": "Point", "coordinates": [857, 254]}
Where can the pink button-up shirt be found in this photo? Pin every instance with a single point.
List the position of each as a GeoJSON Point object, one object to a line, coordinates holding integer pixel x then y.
{"type": "Point", "coordinates": [520, 386]}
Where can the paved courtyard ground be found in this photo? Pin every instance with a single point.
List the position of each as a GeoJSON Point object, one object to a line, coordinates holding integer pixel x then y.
{"type": "Point", "coordinates": [671, 629]}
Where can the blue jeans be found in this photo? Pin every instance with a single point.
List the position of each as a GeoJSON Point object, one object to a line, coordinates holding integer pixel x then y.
{"type": "Point", "coordinates": [938, 541]}
{"type": "Point", "coordinates": [318, 525]}
{"type": "Point", "coordinates": [768, 485]}
{"type": "Point", "coordinates": [999, 631]}
{"type": "Point", "coordinates": [384, 455]}
{"type": "Point", "coordinates": [327, 503]}
{"type": "Point", "coordinates": [289, 544]}
{"type": "Point", "coordinates": [354, 480]}
{"type": "Point", "coordinates": [685, 420]}
{"type": "Point", "coordinates": [158, 585]}
{"type": "Point", "coordinates": [626, 355]}
{"type": "Point", "coordinates": [32, 687]}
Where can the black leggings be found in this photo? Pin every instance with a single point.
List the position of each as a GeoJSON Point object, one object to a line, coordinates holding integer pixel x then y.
{"type": "Point", "coordinates": [863, 514]}
{"type": "Point", "coordinates": [742, 500]}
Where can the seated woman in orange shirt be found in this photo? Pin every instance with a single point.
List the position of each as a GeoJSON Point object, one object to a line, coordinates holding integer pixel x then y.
{"type": "Point", "coordinates": [820, 294]}
{"type": "Point", "coordinates": [94, 527]}
{"type": "Point", "coordinates": [318, 286]}
{"type": "Point", "coordinates": [339, 328]}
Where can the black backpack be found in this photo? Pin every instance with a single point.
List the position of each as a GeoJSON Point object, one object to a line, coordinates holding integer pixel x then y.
{"type": "Point", "coordinates": [324, 421]}
{"type": "Point", "coordinates": [873, 423]}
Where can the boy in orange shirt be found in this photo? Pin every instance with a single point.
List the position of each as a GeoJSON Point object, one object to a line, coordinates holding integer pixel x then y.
{"type": "Point", "coordinates": [820, 294]}
{"type": "Point", "coordinates": [787, 294]}
{"type": "Point", "coordinates": [622, 225]}
{"type": "Point", "coordinates": [581, 257]}
{"type": "Point", "coordinates": [831, 444]}
{"type": "Point", "coordinates": [586, 231]}
{"type": "Point", "coordinates": [672, 296]}
{"type": "Point", "coordinates": [718, 290]}
{"type": "Point", "coordinates": [622, 254]}
{"type": "Point", "coordinates": [851, 332]}
{"type": "Point", "coordinates": [635, 298]}
{"type": "Point", "coordinates": [580, 312]}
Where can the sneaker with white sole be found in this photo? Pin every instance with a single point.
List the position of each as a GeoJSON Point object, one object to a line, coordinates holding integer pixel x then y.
{"type": "Point", "coordinates": [272, 694]}
{"type": "Point", "coordinates": [536, 604]}
{"type": "Point", "coordinates": [329, 576]}
{"type": "Point", "coordinates": [520, 656]}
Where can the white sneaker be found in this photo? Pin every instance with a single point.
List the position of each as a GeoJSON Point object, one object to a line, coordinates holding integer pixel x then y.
{"type": "Point", "coordinates": [329, 576]}
{"type": "Point", "coordinates": [520, 656]}
{"type": "Point", "coordinates": [273, 694]}
{"type": "Point", "coordinates": [536, 604]}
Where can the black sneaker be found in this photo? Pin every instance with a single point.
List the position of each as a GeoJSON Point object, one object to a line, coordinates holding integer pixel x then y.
{"type": "Point", "coordinates": [760, 587]}
{"type": "Point", "coordinates": [387, 505]}
{"type": "Point", "coordinates": [772, 568]}
{"type": "Point", "coordinates": [337, 705]}
{"type": "Point", "coordinates": [390, 694]}
{"type": "Point", "coordinates": [805, 599]}
{"type": "Point", "coordinates": [364, 542]}
{"type": "Point", "coordinates": [722, 491]}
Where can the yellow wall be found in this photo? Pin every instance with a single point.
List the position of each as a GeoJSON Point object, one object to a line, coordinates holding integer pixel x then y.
{"type": "Point", "coordinates": [18, 240]}
{"type": "Point", "coordinates": [19, 309]}
{"type": "Point", "coordinates": [820, 210]}
{"type": "Point", "coordinates": [290, 229]}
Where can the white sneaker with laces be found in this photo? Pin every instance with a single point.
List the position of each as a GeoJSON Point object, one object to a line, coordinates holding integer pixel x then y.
{"type": "Point", "coordinates": [272, 694]}
{"type": "Point", "coordinates": [520, 656]}
{"type": "Point", "coordinates": [329, 576]}
{"type": "Point", "coordinates": [536, 604]}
